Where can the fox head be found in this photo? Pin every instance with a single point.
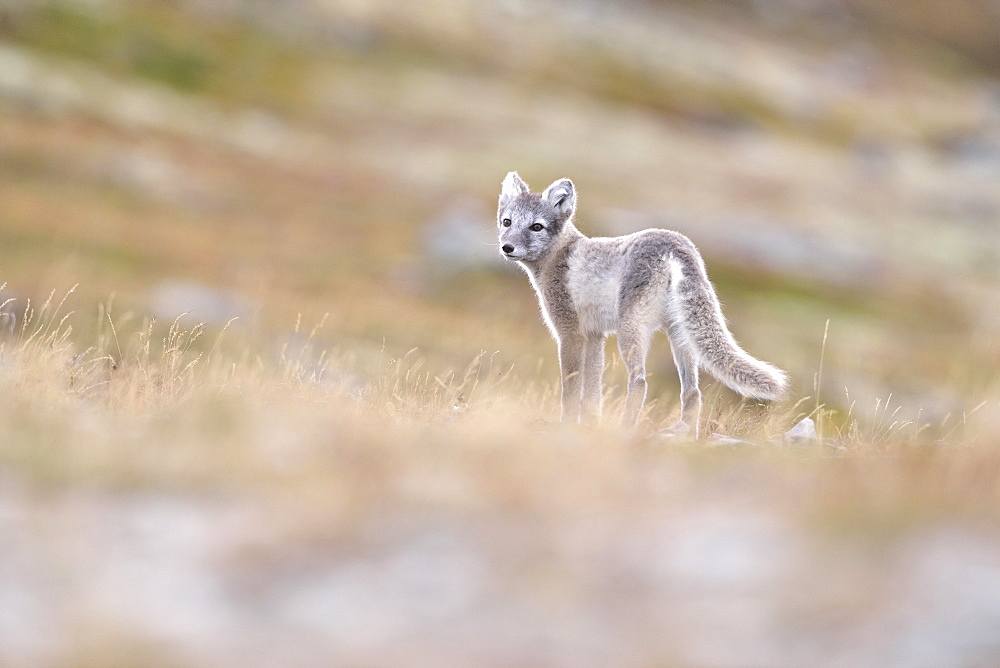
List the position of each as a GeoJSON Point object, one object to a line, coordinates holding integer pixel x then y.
{"type": "Point", "coordinates": [529, 223]}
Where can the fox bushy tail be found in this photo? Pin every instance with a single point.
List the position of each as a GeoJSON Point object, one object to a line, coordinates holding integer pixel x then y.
{"type": "Point", "coordinates": [698, 323]}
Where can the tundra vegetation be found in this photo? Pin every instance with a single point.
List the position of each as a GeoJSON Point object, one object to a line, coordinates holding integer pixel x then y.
{"type": "Point", "coordinates": [267, 395]}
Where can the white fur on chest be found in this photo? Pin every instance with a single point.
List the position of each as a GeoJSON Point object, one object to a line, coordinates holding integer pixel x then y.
{"type": "Point", "coordinates": [594, 285]}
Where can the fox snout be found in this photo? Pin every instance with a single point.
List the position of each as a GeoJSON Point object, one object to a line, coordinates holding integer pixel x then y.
{"type": "Point", "coordinates": [507, 249]}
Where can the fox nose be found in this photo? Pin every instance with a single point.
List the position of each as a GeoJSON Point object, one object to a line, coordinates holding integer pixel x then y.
{"type": "Point", "coordinates": [507, 248]}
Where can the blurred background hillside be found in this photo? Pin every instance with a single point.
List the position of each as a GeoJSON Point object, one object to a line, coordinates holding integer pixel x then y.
{"type": "Point", "coordinates": [834, 159]}
{"type": "Point", "coordinates": [837, 161]}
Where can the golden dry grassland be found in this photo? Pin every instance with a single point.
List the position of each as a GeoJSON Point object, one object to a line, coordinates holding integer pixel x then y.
{"type": "Point", "coordinates": [297, 412]}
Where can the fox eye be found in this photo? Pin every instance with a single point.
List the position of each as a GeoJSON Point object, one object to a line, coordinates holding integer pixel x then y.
{"type": "Point", "coordinates": [505, 222]}
{"type": "Point", "coordinates": [537, 227]}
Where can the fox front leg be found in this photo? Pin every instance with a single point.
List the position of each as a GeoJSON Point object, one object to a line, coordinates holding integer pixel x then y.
{"type": "Point", "coordinates": [571, 352]}
{"type": "Point", "coordinates": [593, 374]}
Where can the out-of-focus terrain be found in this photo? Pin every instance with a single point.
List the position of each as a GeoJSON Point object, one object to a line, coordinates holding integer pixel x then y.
{"type": "Point", "coordinates": [344, 450]}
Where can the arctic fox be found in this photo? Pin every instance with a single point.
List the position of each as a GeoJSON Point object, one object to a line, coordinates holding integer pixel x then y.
{"type": "Point", "coordinates": [632, 286]}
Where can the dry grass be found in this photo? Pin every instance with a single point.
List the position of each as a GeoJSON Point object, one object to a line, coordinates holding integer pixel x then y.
{"type": "Point", "coordinates": [388, 485]}
{"type": "Point", "coordinates": [308, 505]}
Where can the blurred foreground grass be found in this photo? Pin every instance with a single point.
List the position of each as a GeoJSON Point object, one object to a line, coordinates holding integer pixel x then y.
{"type": "Point", "coordinates": [177, 493]}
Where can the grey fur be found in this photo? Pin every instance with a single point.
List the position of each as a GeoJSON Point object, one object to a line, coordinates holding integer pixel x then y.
{"type": "Point", "coordinates": [632, 286]}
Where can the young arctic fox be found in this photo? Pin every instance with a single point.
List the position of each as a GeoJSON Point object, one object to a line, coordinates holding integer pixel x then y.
{"type": "Point", "coordinates": [631, 286]}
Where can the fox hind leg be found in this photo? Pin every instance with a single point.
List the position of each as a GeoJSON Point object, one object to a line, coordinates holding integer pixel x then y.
{"type": "Point", "coordinates": [687, 370]}
{"type": "Point", "coordinates": [633, 343]}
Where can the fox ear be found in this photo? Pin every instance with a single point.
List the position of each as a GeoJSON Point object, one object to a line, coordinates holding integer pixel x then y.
{"type": "Point", "coordinates": [512, 186]}
{"type": "Point", "coordinates": [562, 196]}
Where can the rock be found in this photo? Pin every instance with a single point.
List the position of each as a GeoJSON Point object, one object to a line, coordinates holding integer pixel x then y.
{"type": "Point", "coordinates": [804, 433]}
{"type": "Point", "coordinates": [203, 303]}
